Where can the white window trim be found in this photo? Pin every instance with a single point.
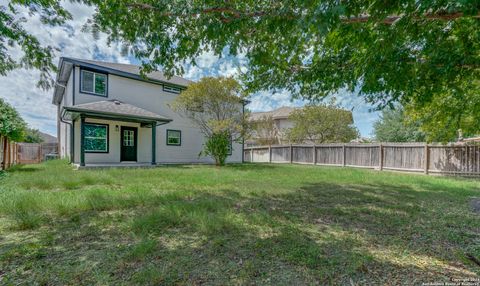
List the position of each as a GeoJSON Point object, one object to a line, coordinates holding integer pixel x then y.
{"type": "Point", "coordinates": [171, 89]}
{"type": "Point", "coordinates": [103, 138]}
{"type": "Point", "coordinates": [93, 82]}
{"type": "Point", "coordinates": [179, 137]}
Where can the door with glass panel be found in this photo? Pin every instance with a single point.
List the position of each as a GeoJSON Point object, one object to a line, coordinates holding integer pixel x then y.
{"type": "Point", "coordinates": [128, 144]}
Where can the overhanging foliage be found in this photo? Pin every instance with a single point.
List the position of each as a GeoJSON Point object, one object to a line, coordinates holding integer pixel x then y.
{"type": "Point", "coordinates": [12, 125]}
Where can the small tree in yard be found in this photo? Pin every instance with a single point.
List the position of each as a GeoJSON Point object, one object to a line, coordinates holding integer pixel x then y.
{"type": "Point", "coordinates": [215, 105]}
{"type": "Point", "coordinates": [324, 123]}
{"type": "Point", "coordinates": [217, 147]}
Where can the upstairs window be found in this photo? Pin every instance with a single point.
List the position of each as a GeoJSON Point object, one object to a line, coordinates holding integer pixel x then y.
{"type": "Point", "coordinates": [174, 137]}
{"type": "Point", "coordinates": [171, 89]}
{"type": "Point", "coordinates": [93, 83]}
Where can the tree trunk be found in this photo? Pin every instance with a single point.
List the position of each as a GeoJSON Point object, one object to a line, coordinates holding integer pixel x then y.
{"type": "Point", "coordinates": [5, 155]}
{"type": "Point", "coordinates": [4, 146]}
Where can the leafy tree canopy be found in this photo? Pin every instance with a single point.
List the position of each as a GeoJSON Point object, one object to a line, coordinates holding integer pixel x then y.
{"type": "Point", "coordinates": [324, 123]}
{"type": "Point", "coordinates": [393, 126]}
{"type": "Point", "coordinates": [32, 136]}
{"type": "Point", "coordinates": [401, 50]}
{"type": "Point", "coordinates": [407, 50]}
{"type": "Point", "coordinates": [448, 113]}
{"type": "Point", "coordinates": [14, 36]}
{"type": "Point", "coordinates": [12, 125]}
{"type": "Point", "coordinates": [414, 52]}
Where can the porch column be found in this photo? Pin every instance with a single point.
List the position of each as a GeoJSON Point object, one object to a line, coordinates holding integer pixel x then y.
{"type": "Point", "coordinates": [154, 138]}
{"type": "Point", "coordinates": [82, 138]}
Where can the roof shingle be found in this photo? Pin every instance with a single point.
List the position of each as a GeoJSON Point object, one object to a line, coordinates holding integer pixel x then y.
{"type": "Point", "coordinates": [134, 69]}
{"type": "Point", "coordinates": [279, 113]}
{"type": "Point", "coordinates": [118, 108]}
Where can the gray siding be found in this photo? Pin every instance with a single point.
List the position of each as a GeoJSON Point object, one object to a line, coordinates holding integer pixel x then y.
{"type": "Point", "coordinates": [150, 97]}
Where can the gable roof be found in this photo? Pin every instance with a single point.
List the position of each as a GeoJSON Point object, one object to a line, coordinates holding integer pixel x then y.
{"type": "Point", "coordinates": [135, 70]}
{"type": "Point", "coordinates": [125, 70]}
{"type": "Point", "coordinates": [47, 138]}
{"type": "Point", "coordinates": [279, 113]}
{"type": "Point", "coordinates": [116, 108]}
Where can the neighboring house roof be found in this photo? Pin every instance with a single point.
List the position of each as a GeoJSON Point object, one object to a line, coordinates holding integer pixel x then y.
{"type": "Point", "coordinates": [279, 113]}
{"type": "Point", "coordinates": [47, 138]}
{"type": "Point", "coordinates": [116, 108]}
{"type": "Point", "coordinates": [126, 70]}
{"type": "Point", "coordinates": [471, 139]}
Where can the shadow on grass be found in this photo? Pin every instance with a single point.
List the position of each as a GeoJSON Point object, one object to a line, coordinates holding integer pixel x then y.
{"type": "Point", "coordinates": [251, 166]}
{"type": "Point", "coordinates": [23, 169]}
{"type": "Point", "coordinates": [320, 233]}
{"type": "Point", "coordinates": [233, 166]}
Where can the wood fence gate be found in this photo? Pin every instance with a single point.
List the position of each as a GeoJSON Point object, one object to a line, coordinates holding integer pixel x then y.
{"type": "Point", "coordinates": [29, 153]}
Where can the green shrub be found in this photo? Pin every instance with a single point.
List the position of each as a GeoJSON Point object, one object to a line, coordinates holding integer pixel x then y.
{"type": "Point", "coordinates": [217, 147]}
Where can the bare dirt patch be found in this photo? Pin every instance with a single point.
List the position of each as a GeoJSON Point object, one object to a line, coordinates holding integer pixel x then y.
{"type": "Point", "coordinates": [475, 203]}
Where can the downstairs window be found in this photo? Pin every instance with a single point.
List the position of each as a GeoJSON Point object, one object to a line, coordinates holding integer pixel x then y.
{"type": "Point", "coordinates": [96, 138]}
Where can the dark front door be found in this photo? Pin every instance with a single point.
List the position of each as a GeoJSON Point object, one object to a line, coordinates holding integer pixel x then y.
{"type": "Point", "coordinates": [128, 142]}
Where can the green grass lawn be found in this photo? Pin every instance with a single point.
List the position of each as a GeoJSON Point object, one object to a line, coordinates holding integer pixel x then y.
{"type": "Point", "coordinates": [241, 224]}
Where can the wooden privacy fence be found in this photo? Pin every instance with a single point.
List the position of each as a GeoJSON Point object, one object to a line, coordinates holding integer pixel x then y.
{"type": "Point", "coordinates": [412, 157]}
{"type": "Point", "coordinates": [8, 153]}
{"type": "Point", "coordinates": [31, 153]}
{"type": "Point", "coordinates": [12, 153]}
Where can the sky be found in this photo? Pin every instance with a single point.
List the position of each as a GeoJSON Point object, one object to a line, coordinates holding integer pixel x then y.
{"type": "Point", "coordinates": [35, 105]}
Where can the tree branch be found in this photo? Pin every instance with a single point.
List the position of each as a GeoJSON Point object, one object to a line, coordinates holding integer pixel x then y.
{"type": "Point", "coordinates": [234, 13]}
{"type": "Point", "coordinates": [237, 14]}
{"type": "Point", "coordinates": [431, 16]}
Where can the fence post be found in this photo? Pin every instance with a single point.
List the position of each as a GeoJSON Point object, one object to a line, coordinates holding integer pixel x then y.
{"type": "Point", "coordinates": [291, 154]}
{"type": "Point", "coordinates": [427, 159]}
{"type": "Point", "coordinates": [269, 153]}
{"type": "Point", "coordinates": [314, 154]}
{"type": "Point", "coordinates": [7, 161]}
{"type": "Point", "coordinates": [381, 156]}
{"type": "Point", "coordinates": [251, 154]}
{"type": "Point", "coordinates": [2, 163]}
{"type": "Point", "coordinates": [15, 154]}
{"type": "Point", "coordinates": [344, 155]}
{"type": "Point", "coordinates": [39, 153]}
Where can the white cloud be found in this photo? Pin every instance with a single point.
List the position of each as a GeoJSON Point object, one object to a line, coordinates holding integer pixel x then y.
{"type": "Point", "coordinates": [206, 60]}
{"type": "Point", "coordinates": [266, 100]}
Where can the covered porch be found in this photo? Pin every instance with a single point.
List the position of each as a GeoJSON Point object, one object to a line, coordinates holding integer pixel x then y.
{"type": "Point", "coordinates": [113, 133]}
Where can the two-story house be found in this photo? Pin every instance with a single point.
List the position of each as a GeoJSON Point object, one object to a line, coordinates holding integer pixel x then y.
{"type": "Point", "coordinates": [281, 125]}
{"type": "Point", "coordinates": [108, 114]}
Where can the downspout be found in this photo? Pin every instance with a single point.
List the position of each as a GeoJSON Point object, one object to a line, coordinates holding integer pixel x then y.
{"type": "Point", "coordinates": [58, 130]}
{"type": "Point", "coordinates": [72, 135]}
{"type": "Point", "coordinates": [243, 137]}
